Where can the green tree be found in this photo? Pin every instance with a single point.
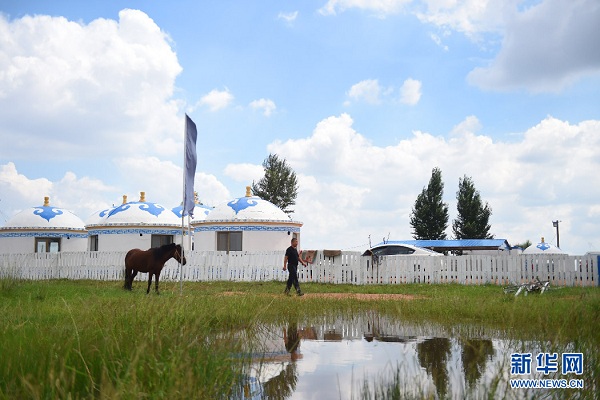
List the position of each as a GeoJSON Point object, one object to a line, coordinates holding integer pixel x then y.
{"type": "Point", "coordinates": [523, 245]}
{"type": "Point", "coordinates": [473, 217]}
{"type": "Point", "coordinates": [279, 185]}
{"type": "Point", "coordinates": [429, 217]}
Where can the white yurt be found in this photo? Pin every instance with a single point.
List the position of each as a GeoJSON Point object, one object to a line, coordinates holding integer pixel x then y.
{"type": "Point", "coordinates": [138, 224]}
{"type": "Point", "coordinates": [43, 229]}
{"type": "Point", "coordinates": [247, 223]}
{"type": "Point", "coordinates": [543, 247]}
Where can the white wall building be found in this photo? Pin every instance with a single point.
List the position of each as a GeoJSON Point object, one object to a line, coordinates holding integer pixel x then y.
{"type": "Point", "coordinates": [245, 224]}
{"type": "Point", "coordinates": [43, 229]}
{"type": "Point", "coordinates": [139, 224]}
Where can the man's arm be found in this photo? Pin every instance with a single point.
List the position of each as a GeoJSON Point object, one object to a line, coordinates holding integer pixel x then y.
{"type": "Point", "coordinates": [285, 263]}
{"type": "Point", "coordinates": [301, 260]}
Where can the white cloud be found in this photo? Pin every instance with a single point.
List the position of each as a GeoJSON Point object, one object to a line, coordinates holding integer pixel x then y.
{"type": "Point", "coordinates": [545, 48]}
{"type": "Point", "coordinates": [217, 100]}
{"type": "Point", "coordinates": [83, 195]}
{"type": "Point", "coordinates": [162, 180]}
{"type": "Point", "coordinates": [470, 17]}
{"type": "Point", "coordinates": [60, 79]}
{"type": "Point", "coordinates": [245, 172]}
{"type": "Point", "coordinates": [350, 189]}
{"type": "Point", "coordinates": [288, 17]}
{"type": "Point", "coordinates": [380, 7]}
{"type": "Point", "coordinates": [266, 105]}
{"type": "Point", "coordinates": [371, 92]}
{"type": "Point", "coordinates": [410, 92]}
{"type": "Point", "coordinates": [18, 191]}
{"type": "Point", "coordinates": [438, 40]}
{"type": "Point", "coordinates": [367, 90]}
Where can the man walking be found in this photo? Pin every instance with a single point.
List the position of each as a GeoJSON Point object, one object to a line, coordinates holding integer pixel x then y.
{"type": "Point", "coordinates": [290, 262]}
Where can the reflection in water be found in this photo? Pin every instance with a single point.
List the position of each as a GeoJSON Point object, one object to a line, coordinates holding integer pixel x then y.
{"type": "Point", "coordinates": [433, 355]}
{"type": "Point", "coordinates": [282, 385]}
{"type": "Point", "coordinates": [334, 358]}
{"type": "Point", "coordinates": [474, 355]}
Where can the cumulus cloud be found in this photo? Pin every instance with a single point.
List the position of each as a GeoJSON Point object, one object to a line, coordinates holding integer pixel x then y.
{"type": "Point", "coordinates": [161, 180]}
{"type": "Point", "coordinates": [19, 192]}
{"type": "Point", "coordinates": [266, 105]}
{"type": "Point", "coordinates": [216, 99]}
{"type": "Point", "coordinates": [349, 185]}
{"type": "Point", "coordinates": [367, 90]}
{"type": "Point", "coordinates": [245, 172]}
{"type": "Point", "coordinates": [60, 79]}
{"type": "Point", "coordinates": [371, 92]}
{"type": "Point", "coordinates": [545, 48]}
{"type": "Point", "coordinates": [410, 92]}
{"type": "Point", "coordinates": [470, 17]}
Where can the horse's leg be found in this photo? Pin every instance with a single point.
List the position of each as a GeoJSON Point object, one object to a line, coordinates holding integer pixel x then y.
{"type": "Point", "coordinates": [131, 276]}
{"type": "Point", "coordinates": [125, 286]}
{"type": "Point", "coordinates": [157, 275]}
{"type": "Point", "coordinates": [149, 282]}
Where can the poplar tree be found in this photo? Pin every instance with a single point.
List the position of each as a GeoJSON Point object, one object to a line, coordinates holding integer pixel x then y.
{"type": "Point", "coordinates": [429, 217]}
{"type": "Point", "coordinates": [473, 217]}
{"type": "Point", "coordinates": [279, 185]}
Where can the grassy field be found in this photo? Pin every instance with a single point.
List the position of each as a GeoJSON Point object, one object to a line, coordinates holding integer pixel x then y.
{"type": "Point", "coordinates": [90, 339]}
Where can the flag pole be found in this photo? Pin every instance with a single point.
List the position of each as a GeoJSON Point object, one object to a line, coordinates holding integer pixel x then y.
{"type": "Point", "coordinates": [189, 171]}
{"type": "Point", "coordinates": [183, 204]}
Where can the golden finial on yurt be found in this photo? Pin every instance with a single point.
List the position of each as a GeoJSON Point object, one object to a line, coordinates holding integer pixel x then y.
{"type": "Point", "coordinates": [248, 192]}
{"type": "Point", "coordinates": [142, 197]}
{"type": "Point", "coordinates": [542, 239]}
{"type": "Point", "coordinates": [124, 199]}
{"type": "Point", "coordinates": [46, 201]}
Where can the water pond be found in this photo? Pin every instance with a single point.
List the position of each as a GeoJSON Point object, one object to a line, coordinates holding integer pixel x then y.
{"type": "Point", "coordinates": [362, 357]}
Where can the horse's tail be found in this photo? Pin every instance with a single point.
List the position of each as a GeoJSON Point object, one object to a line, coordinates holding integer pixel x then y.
{"type": "Point", "coordinates": [128, 270]}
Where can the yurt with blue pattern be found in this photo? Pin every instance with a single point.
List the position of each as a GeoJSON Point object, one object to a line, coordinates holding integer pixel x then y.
{"type": "Point", "coordinates": [246, 223]}
{"type": "Point", "coordinates": [133, 224]}
{"type": "Point", "coordinates": [43, 229]}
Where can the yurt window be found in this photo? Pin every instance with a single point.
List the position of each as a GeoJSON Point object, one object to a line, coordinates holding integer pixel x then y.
{"type": "Point", "coordinates": [229, 241]}
{"type": "Point", "coordinates": [47, 245]}
{"type": "Point", "coordinates": [161, 240]}
{"type": "Point", "coordinates": [94, 243]}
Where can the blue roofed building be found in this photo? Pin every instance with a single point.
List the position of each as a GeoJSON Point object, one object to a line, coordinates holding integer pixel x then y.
{"type": "Point", "coordinates": [463, 246]}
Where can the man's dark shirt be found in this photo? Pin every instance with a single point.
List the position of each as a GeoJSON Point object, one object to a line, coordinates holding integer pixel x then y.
{"type": "Point", "coordinates": [292, 254]}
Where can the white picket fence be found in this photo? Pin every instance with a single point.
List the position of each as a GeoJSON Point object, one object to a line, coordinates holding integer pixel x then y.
{"type": "Point", "coordinates": [348, 267]}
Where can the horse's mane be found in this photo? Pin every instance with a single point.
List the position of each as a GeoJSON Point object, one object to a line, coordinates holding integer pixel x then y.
{"type": "Point", "coordinates": [159, 251]}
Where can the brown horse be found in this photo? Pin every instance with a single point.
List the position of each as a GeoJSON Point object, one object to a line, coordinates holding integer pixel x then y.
{"type": "Point", "coordinates": [151, 261]}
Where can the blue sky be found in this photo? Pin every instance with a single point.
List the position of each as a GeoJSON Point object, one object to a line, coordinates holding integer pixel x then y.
{"type": "Point", "coordinates": [362, 98]}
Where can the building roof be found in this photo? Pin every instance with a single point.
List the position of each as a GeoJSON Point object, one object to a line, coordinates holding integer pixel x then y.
{"type": "Point", "coordinates": [135, 213]}
{"type": "Point", "coordinates": [543, 247]}
{"type": "Point", "coordinates": [45, 217]}
{"type": "Point", "coordinates": [247, 209]}
{"type": "Point", "coordinates": [458, 244]}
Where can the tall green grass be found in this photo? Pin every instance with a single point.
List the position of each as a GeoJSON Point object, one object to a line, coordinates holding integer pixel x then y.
{"type": "Point", "coordinates": [89, 339]}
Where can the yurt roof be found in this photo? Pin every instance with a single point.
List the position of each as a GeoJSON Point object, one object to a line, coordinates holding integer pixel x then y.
{"type": "Point", "coordinates": [543, 247]}
{"type": "Point", "coordinates": [140, 212]}
{"type": "Point", "coordinates": [247, 209]}
{"type": "Point", "coordinates": [45, 217]}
